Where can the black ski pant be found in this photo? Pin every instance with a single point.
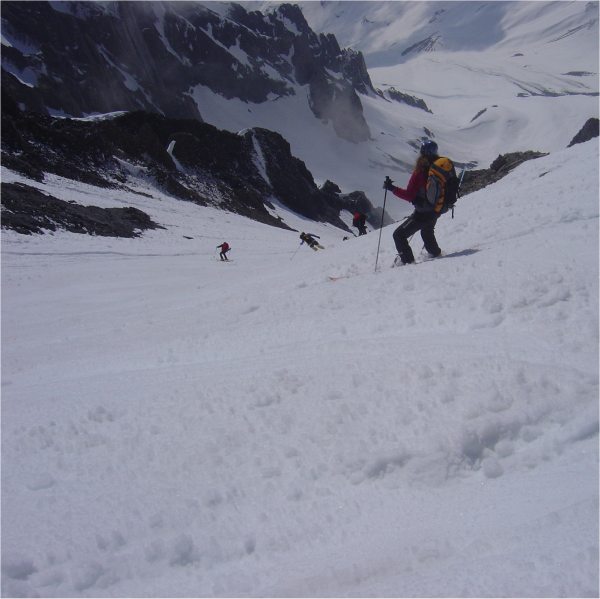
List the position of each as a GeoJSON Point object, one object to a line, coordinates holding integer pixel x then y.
{"type": "Point", "coordinates": [417, 221]}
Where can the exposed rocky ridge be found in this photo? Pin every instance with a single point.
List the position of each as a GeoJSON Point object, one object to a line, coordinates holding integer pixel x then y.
{"type": "Point", "coordinates": [504, 163]}
{"type": "Point", "coordinates": [28, 210]}
{"type": "Point", "coordinates": [89, 58]}
{"type": "Point", "coordinates": [188, 159]}
{"type": "Point", "coordinates": [403, 98]}
{"type": "Point", "coordinates": [426, 45]}
{"type": "Point", "coordinates": [356, 201]}
{"type": "Point", "coordinates": [500, 167]}
{"type": "Point", "coordinates": [587, 132]}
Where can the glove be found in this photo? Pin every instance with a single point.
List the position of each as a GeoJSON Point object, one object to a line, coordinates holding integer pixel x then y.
{"type": "Point", "coordinates": [388, 184]}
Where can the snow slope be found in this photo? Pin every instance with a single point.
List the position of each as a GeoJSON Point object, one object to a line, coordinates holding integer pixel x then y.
{"type": "Point", "coordinates": [175, 426]}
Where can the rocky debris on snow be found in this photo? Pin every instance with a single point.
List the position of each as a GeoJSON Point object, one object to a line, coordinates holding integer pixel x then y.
{"type": "Point", "coordinates": [94, 58]}
{"type": "Point", "coordinates": [426, 45]}
{"type": "Point", "coordinates": [579, 74]}
{"type": "Point", "coordinates": [500, 167]}
{"type": "Point", "coordinates": [482, 111]}
{"type": "Point", "coordinates": [27, 210]}
{"type": "Point", "coordinates": [587, 132]}
{"type": "Point", "coordinates": [403, 98]}
{"type": "Point", "coordinates": [331, 188]}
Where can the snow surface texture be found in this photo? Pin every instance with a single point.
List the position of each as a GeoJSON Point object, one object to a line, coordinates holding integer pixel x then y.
{"type": "Point", "coordinates": [176, 426]}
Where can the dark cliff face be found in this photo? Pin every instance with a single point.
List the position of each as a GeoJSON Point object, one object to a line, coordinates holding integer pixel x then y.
{"type": "Point", "coordinates": [589, 130]}
{"type": "Point", "coordinates": [79, 58]}
{"type": "Point", "coordinates": [290, 179]}
{"type": "Point", "coordinates": [187, 159]}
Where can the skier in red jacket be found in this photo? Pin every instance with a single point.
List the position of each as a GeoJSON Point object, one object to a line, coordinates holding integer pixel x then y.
{"type": "Point", "coordinates": [224, 249]}
{"type": "Point", "coordinates": [424, 218]}
{"type": "Point", "coordinates": [358, 221]}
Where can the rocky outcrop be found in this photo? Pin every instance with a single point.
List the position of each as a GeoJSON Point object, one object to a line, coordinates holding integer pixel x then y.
{"type": "Point", "coordinates": [504, 163]}
{"type": "Point", "coordinates": [340, 105]}
{"type": "Point", "coordinates": [500, 167]}
{"type": "Point", "coordinates": [356, 201]}
{"type": "Point", "coordinates": [289, 178]}
{"type": "Point", "coordinates": [403, 98]}
{"type": "Point", "coordinates": [354, 68]}
{"type": "Point", "coordinates": [81, 58]}
{"type": "Point", "coordinates": [187, 159]}
{"type": "Point", "coordinates": [587, 132]}
{"type": "Point", "coordinates": [28, 210]}
{"type": "Point", "coordinates": [78, 58]}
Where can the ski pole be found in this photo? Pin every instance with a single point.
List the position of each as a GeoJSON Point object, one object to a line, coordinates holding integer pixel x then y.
{"type": "Point", "coordinates": [382, 214]}
{"type": "Point", "coordinates": [462, 176]}
{"type": "Point", "coordinates": [295, 253]}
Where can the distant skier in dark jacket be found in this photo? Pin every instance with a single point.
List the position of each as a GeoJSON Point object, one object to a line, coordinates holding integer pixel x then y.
{"type": "Point", "coordinates": [224, 249]}
{"type": "Point", "coordinates": [358, 221]}
{"type": "Point", "coordinates": [424, 218]}
{"type": "Point", "coordinates": [309, 238]}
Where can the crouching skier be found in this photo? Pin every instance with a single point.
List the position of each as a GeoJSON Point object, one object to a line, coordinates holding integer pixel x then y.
{"type": "Point", "coordinates": [309, 238]}
{"type": "Point", "coordinates": [224, 249]}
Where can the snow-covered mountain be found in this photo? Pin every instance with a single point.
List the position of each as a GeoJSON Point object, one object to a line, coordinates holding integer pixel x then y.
{"type": "Point", "coordinates": [393, 33]}
{"type": "Point", "coordinates": [482, 78]}
{"type": "Point", "coordinates": [248, 173]}
{"type": "Point", "coordinates": [79, 58]}
{"type": "Point", "coordinates": [174, 426]}
{"type": "Point", "coordinates": [494, 75]}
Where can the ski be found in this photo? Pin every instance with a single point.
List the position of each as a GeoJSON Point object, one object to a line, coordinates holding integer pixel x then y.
{"type": "Point", "coordinates": [429, 258]}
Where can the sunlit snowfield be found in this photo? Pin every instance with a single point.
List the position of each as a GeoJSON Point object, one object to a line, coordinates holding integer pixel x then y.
{"type": "Point", "coordinates": [172, 425]}
{"type": "Point", "coordinates": [176, 426]}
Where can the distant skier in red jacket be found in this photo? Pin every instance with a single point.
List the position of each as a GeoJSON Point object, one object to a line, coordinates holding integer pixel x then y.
{"type": "Point", "coordinates": [358, 221]}
{"type": "Point", "coordinates": [224, 249]}
{"type": "Point", "coordinates": [424, 218]}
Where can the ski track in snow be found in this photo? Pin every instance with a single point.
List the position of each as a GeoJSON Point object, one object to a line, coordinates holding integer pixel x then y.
{"type": "Point", "coordinates": [176, 427]}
